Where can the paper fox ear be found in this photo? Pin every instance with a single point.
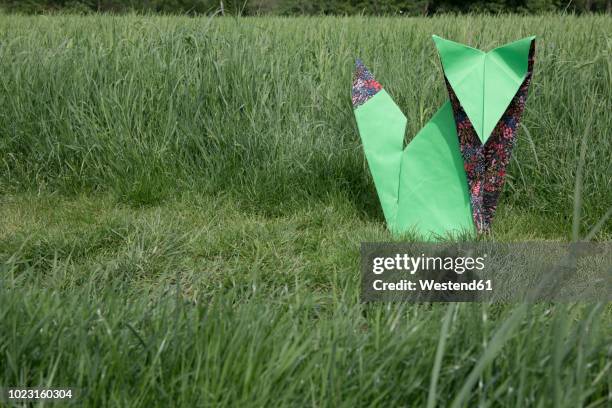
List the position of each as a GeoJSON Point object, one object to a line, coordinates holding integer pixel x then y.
{"type": "Point", "coordinates": [484, 83]}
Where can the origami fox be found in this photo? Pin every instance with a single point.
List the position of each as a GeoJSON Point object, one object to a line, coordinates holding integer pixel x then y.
{"type": "Point", "coordinates": [447, 180]}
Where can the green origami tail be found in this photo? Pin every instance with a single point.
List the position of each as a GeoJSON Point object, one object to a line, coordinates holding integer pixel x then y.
{"type": "Point", "coordinates": [422, 188]}
{"type": "Point", "coordinates": [381, 126]}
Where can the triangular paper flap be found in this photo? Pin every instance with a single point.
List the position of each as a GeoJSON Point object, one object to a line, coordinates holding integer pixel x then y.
{"type": "Point", "coordinates": [484, 83]}
{"type": "Point", "coordinates": [434, 198]}
{"type": "Point", "coordinates": [365, 86]}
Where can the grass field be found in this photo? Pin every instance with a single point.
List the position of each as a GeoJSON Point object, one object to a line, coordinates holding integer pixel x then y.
{"type": "Point", "coordinates": [182, 203]}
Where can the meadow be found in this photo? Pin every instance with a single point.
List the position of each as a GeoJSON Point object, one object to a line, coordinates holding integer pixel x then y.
{"type": "Point", "coordinates": [182, 202]}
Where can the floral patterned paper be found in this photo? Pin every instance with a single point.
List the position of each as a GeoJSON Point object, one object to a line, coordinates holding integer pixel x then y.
{"type": "Point", "coordinates": [364, 85]}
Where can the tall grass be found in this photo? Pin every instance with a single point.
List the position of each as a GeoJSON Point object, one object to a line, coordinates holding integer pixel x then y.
{"type": "Point", "coordinates": [182, 202]}
{"type": "Point", "coordinates": [259, 108]}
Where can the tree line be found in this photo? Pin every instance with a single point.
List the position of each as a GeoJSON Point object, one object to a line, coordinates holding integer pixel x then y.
{"type": "Point", "coordinates": [305, 7]}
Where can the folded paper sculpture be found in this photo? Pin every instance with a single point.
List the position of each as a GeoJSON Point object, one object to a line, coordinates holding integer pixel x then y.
{"type": "Point", "coordinates": [447, 180]}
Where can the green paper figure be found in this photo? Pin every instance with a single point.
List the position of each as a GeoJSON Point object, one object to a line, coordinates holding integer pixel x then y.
{"type": "Point", "coordinates": [447, 180]}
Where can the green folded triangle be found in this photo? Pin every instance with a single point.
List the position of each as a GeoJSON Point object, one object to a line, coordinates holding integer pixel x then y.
{"type": "Point", "coordinates": [433, 185]}
{"type": "Point", "coordinates": [484, 83]}
{"type": "Point", "coordinates": [422, 188]}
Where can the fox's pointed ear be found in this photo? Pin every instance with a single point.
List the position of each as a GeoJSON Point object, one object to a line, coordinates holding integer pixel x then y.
{"type": "Point", "coordinates": [463, 68]}
{"type": "Point", "coordinates": [456, 58]}
{"type": "Point", "coordinates": [512, 58]}
{"type": "Point", "coordinates": [364, 85]}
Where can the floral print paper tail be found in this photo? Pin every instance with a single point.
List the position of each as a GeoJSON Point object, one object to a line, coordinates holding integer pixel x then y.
{"type": "Point", "coordinates": [364, 85]}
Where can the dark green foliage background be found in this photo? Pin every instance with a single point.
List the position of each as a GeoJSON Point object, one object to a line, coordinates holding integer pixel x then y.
{"type": "Point", "coordinates": [286, 7]}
